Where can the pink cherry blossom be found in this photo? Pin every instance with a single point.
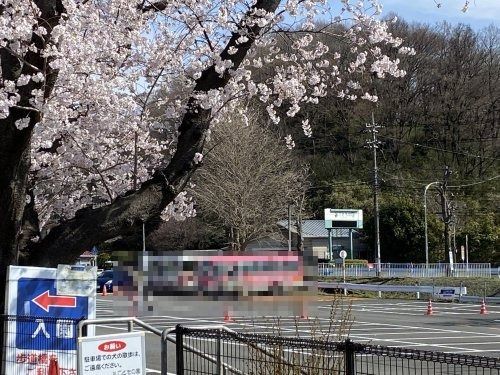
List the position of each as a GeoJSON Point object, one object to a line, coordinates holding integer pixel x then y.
{"type": "Point", "coordinates": [126, 73]}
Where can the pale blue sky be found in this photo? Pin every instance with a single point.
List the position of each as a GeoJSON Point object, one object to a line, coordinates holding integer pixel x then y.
{"type": "Point", "coordinates": [481, 13]}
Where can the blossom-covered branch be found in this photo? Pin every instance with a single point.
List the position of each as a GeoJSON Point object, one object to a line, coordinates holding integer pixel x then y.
{"type": "Point", "coordinates": [124, 95]}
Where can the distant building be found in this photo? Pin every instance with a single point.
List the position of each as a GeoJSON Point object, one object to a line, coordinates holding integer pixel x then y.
{"type": "Point", "coordinates": [315, 240]}
{"type": "Point", "coordinates": [86, 259]}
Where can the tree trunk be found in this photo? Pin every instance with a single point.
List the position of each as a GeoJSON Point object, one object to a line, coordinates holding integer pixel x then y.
{"type": "Point", "coordinates": [15, 144]}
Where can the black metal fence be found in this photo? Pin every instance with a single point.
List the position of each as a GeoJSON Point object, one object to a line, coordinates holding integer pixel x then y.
{"type": "Point", "coordinates": [216, 351]}
{"type": "Point", "coordinates": [32, 345]}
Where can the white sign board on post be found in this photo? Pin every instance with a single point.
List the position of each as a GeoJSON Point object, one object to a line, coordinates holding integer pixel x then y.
{"type": "Point", "coordinates": [343, 218]}
{"type": "Point", "coordinates": [122, 353]}
{"type": "Point", "coordinates": [32, 342]}
{"type": "Point", "coordinates": [449, 292]}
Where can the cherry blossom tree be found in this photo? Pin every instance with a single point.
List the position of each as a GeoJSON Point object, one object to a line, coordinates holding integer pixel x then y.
{"type": "Point", "coordinates": [84, 158]}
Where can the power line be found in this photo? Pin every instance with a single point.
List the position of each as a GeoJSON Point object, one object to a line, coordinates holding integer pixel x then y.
{"type": "Point", "coordinates": [475, 183]}
{"type": "Point", "coordinates": [423, 183]}
{"type": "Point", "coordinates": [397, 179]}
{"type": "Point", "coordinates": [440, 149]}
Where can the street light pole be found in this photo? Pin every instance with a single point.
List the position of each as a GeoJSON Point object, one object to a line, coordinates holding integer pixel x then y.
{"type": "Point", "coordinates": [143, 236]}
{"type": "Point", "coordinates": [425, 223]}
{"type": "Point", "coordinates": [330, 246]}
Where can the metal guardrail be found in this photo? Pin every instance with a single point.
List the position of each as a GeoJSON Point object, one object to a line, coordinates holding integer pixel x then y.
{"type": "Point", "coordinates": [479, 299]}
{"type": "Point", "coordinates": [416, 270]}
{"type": "Point", "coordinates": [294, 355]}
{"type": "Point", "coordinates": [451, 292]}
{"type": "Point", "coordinates": [430, 289]}
{"type": "Point", "coordinates": [221, 333]}
{"type": "Point", "coordinates": [222, 367]}
{"type": "Point", "coordinates": [130, 321]}
{"type": "Point", "coordinates": [164, 335]}
{"type": "Point", "coordinates": [379, 288]}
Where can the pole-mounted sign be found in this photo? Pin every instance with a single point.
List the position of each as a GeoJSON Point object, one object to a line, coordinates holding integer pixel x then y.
{"type": "Point", "coordinates": [343, 218]}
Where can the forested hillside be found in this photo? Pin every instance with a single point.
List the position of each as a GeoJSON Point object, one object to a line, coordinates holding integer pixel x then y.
{"type": "Point", "coordinates": [444, 113]}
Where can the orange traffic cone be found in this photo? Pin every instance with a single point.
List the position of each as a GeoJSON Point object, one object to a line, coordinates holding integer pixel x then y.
{"type": "Point", "coordinates": [483, 310]}
{"type": "Point", "coordinates": [429, 308]}
{"type": "Point", "coordinates": [104, 290]}
{"type": "Point", "coordinates": [303, 312]}
{"type": "Point", "coordinates": [53, 367]}
{"type": "Point", "coordinates": [227, 315]}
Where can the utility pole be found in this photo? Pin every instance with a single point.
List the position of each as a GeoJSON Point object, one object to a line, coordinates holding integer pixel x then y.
{"type": "Point", "coordinates": [289, 227]}
{"type": "Point", "coordinates": [298, 222]}
{"type": "Point", "coordinates": [373, 144]}
{"type": "Point", "coordinates": [446, 214]}
{"type": "Point", "coordinates": [455, 241]}
{"type": "Point", "coordinates": [467, 251]}
{"type": "Point", "coordinates": [425, 223]}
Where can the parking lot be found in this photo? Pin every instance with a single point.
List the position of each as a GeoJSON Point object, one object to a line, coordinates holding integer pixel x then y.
{"type": "Point", "coordinates": [453, 328]}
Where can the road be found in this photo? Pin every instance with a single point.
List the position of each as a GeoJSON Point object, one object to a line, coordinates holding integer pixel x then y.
{"type": "Point", "coordinates": [453, 328]}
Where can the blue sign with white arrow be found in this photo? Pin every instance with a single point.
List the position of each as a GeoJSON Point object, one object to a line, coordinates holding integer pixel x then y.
{"type": "Point", "coordinates": [50, 331]}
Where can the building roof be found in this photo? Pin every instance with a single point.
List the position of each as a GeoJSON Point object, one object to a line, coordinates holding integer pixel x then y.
{"type": "Point", "coordinates": [314, 229]}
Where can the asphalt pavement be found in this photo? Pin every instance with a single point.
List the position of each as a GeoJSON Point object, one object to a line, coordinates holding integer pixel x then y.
{"type": "Point", "coordinates": [452, 328]}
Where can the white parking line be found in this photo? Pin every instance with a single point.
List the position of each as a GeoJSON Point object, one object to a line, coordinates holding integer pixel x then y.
{"type": "Point", "coordinates": [480, 343]}
{"type": "Point", "coordinates": [399, 311]}
{"type": "Point", "coordinates": [362, 331]}
{"type": "Point", "coordinates": [415, 344]}
{"type": "Point", "coordinates": [426, 328]}
{"type": "Point", "coordinates": [474, 351]}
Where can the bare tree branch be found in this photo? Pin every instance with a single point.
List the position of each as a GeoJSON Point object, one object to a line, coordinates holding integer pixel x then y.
{"type": "Point", "coordinates": [156, 6]}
